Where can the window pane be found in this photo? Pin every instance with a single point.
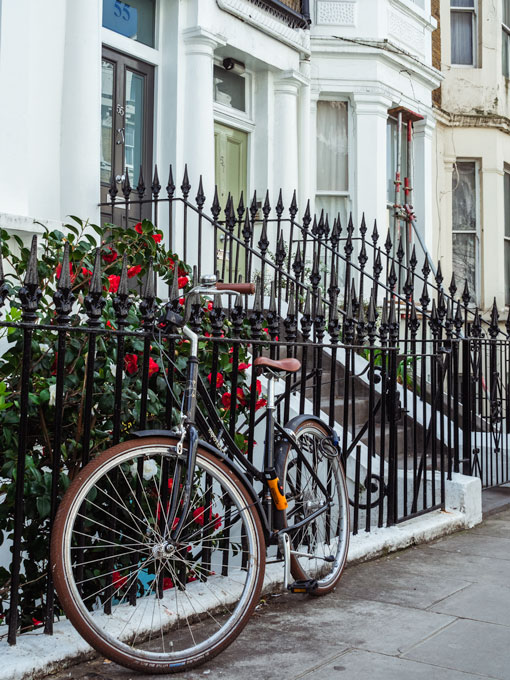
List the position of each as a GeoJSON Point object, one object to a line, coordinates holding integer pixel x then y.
{"type": "Point", "coordinates": [391, 157]}
{"type": "Point", "coordinates": [505, 52]}
{"type": "Point", "coordinates": [332, 206]}
{"type": "Point", "coordinates": [134, 124]}
{"type": "Point", "coordinates": [507, 272]}
{"type": "Point", "coordinates": [332, 146]}
{"type": "Point", "coordinates": [229, 89]}
{"type": "Point", "coordinates": [464, 260]}
{"type": "Point", "coordinates": [134, 19]}
{"type": "Point", "coordinates": [506, 12]}
{"type": "Point", "coordinates": [464, 197]}
{"type": "Point", "coordinates": [507, 204]}
{"type": "Point", "coordinates": [462, 3]}
{"type": "Point", "coordinates": [462, 37]}
{"type": "Point", "coordinates": [107, 83]}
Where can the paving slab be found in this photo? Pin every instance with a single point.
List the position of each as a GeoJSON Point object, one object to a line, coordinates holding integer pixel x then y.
{"type": "Point", "coordinates": [469, 646]}
{"type": "Point", "coordinates": [480, 602]}
{"type": "Point", "coordinates": [467, 543]}
{"type": "Point", "coordinates": [493, 527]}
{"type": "Point", "coordinates": [361, 665]}
{"type": "Point", "coordinates": [392, 581]}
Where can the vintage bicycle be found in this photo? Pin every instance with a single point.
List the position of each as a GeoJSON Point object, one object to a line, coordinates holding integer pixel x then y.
{"type": "Point", "coordinates": [159, 544]}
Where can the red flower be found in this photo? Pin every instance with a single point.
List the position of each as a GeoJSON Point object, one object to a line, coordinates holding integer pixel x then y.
{"type": "Point", "coordinates": [240, 396]}
{"type": "Point", "coordinates": [210, 305]}
{"type": "Point", "coordinates": [134, 270]}
{"type": "Point", "coordinates": [242, 366]}
{"type": "Point", "coordinates": [260, 404]}
{"type": "Point", "coordinates": [181, 301]}
{"type": "Point", "coordinates": [58, 271]}
{"type": "Point", "coordinates": [153, 367]}
{"type": "Point", "coordinates": [114, 283]}
{"type": "Point", "coordinates": [111, 256]}
{"type": "Point", "coordinates": [131, 363]}
{"type": "Point", "coordinates": [219, 379]}
{"type": "Point", "coordinates": [157, 237]}
{"type": "Point", "coordinates": [198, 516]}
{"type": "Point", "coordinates": [138, 228]}
{"type": "Point", "coordinates": [182, 281]}
{"type": "Point", "coordinates": [110, 325]}
{"type": "Point", "coordinates": [258, 387]}
{"type": "Point", "coordinates": [86, 272]}
{"type": "Point", "coordinates": [225, 399]}
{"type": "Point", "coordinates": [36, 622]}
{"type": "Point", "coordinates": [118, 580]}
{"type": "Point", "coordinates": [167, 583]}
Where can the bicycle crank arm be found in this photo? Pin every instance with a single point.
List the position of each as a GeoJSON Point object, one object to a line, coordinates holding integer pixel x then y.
{"type": "Point", "coordinates": [284, 545]}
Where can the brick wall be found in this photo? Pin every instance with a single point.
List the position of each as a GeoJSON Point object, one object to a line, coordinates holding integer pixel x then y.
{"type": "Point", "coordinates": [436, 48]}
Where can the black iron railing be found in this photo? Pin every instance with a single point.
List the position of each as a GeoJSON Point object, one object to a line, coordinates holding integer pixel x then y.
{"type": "Point", "coordinates": [416, 386]}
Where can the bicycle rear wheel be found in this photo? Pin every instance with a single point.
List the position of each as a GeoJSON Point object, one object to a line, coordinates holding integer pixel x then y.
{"type": "Point", "coordinates": [139, 601]}
{"type": "Point", "coordinates": [324, 541]}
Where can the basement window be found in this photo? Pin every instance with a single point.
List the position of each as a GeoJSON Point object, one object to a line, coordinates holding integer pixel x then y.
{"type": "Point", "coordinates": [463, 32]}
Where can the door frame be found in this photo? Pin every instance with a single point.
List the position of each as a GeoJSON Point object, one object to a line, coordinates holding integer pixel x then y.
{"type": "Point", "coordinates": [125, 62]}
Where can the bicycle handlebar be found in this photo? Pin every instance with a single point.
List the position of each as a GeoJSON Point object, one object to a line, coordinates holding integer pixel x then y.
{"type": "Point", "coordinates": [243, 288]}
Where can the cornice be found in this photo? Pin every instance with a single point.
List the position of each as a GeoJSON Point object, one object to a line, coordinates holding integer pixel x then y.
{"type": "Point", "coordinates": [472, 120]}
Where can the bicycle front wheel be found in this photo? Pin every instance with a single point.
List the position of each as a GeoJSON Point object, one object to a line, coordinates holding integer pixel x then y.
{"type": "Point", "coordinates": [323, 543]}
{"type": "Point", "coordinates": [138, 600]}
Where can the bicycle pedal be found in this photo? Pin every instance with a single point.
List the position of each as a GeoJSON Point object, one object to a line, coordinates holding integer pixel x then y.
{"type": "Point", "coordinates": [303, 586]}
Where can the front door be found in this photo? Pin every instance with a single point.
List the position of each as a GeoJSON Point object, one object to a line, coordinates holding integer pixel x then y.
{"type": "Point", "coordinates": [127, 112]}
{"type": "Point", "coordinates": [231, 165]}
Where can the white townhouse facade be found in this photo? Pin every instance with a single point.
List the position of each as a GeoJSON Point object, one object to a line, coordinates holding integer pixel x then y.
{"type": "Point", "coordinates": [251, 94]}
{"type": "Point", "coordinates": [472, 211]}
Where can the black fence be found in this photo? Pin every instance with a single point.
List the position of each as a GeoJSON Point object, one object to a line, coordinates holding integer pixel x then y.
{"type": "Point", "coordinates": [416, 388]}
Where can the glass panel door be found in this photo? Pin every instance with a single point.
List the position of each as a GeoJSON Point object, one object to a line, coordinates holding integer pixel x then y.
{"type": "Point", "coordinates": [127, 106]}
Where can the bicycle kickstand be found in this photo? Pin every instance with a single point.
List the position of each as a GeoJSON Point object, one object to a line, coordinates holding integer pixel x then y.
{"type": "Point", "coordinates": [300, 586]}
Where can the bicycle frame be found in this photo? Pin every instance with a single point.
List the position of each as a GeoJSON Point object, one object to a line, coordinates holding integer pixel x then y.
{"type": "Point", "coordinates": [189, 430]}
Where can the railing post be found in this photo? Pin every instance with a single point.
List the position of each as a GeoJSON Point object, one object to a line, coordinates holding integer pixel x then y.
{"type": "Point", "coordinates": [466, 406]}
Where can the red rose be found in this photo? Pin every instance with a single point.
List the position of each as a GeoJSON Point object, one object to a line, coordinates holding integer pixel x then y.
{"type": "Point", "coordinates": [114, 283]}
{"type": "Point", "coordinates": [258, 387]}
{"type": "Point", "coordinates": [181, 301]}
{"type": "Point", "coordinates": [242, 366]}
{"type": "Point", "coordinates": [134, 270]}
{"type": "Point", "coordinates": [240, 396]}
{"type": "Point", "coordinates": [225, 399]}
{"type": "Point", "coordinates": [153, 367]}
{"type": "Point", "coordinates": [131, 363]}
{"type": "Point", "coordinates": [219, 379]}
{"type": "Point", "coordinates": [110, 325]}
{"type": "Point", "coordinates": [260, 404]}
{"type": "Point", "coordinates": [138, 228]}
{"type": "Point", "coordinates": [198, 515]}
{"type": "Point", "coordinates": [86, 272]}
{"type": "Point", "coordinates": [210, 305]}
{"type": "Point", "coordinates": [118, 580]}
{"type": "Point", "coordinates": [111, 256]}
{"type": "Point", "coordinates": [157, 237]}
{"type": "Point", "coordinates": [182, 281]}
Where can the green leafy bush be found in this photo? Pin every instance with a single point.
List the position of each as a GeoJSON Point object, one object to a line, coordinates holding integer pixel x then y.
{"type": "Point", "coordinates": [139, 243]}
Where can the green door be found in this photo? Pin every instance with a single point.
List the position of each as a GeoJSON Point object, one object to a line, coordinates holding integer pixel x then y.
{"type": "Point", "coordinates": [231, 153]}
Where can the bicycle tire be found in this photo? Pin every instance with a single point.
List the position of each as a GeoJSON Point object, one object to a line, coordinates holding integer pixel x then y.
{"type": "Point", "coordinates": [113, 514]}
{"type": "Point", "coordinates": [328, 534]}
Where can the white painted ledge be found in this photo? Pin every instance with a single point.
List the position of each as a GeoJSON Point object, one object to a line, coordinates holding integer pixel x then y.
{"type": "Point", "coordinates": [36, 655]}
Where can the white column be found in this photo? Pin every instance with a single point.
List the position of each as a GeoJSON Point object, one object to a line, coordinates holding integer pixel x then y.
{"type": "Point", "coordinates": [31, 65]}
{"type": "Point", "coordinates": [371, 115]}
{"type": "Point", "coordinates": [423, 191]}
{"type": "Point", "coordinates": [198, 116]}
{"type": "Point", "coordinates": [305, 138]}
{"type": "Point", "coordinates": [81, 105]}
{"type": "Point", "coordinates": [198, 131]}
{"type": "Point", "coordinates": [285, 147]}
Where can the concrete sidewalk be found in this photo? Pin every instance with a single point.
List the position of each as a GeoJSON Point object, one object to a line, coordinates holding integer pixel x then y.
{"type": "Point", "coordinates": [440, 611]}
